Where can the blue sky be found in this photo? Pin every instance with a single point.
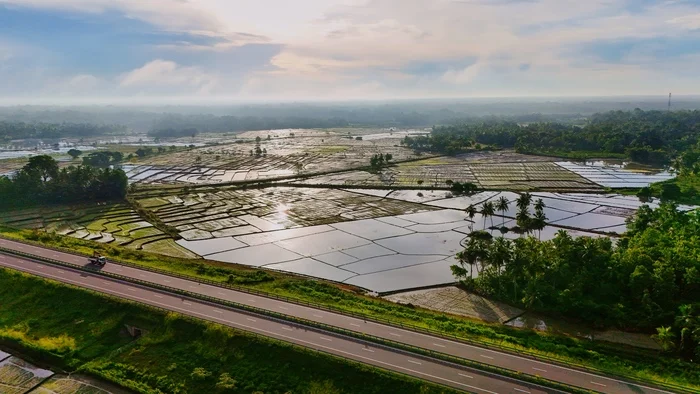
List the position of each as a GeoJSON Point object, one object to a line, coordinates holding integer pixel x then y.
{"type": "Point", "coordinates": [209, 50]}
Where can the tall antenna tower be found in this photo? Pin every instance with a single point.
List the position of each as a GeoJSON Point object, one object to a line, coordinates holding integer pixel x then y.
{"type": "Point", "coordinates": [669, 102]}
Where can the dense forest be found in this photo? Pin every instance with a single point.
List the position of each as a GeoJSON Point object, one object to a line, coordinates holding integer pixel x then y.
{"type": "Point", "coordinates": [649, 280]}
{"type": "Point", "coordinates": [652, 137]}
{"type": "Point", "coordinates": [40, 181]}
{"type": "Point", "coordinates": [20, 130]}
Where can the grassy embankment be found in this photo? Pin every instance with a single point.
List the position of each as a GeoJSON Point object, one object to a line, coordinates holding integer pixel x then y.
{"type": "Point", "coordinates": [79, 330]}
{"type": "Point", "coordinates": [615, 359]}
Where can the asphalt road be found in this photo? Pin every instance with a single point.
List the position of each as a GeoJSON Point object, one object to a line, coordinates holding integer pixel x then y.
{"type": "Point", "coordinates": [505, 360]}
{"type": "Point", "coordinates": [455, 376]}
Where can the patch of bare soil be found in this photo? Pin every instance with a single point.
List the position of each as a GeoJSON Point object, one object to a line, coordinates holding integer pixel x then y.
{"type": "Point", "coordinates": [456, 301]}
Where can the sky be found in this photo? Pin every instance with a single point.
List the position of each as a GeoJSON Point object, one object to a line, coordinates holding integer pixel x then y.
{"type": "Point", "coordinates": [208, 51]}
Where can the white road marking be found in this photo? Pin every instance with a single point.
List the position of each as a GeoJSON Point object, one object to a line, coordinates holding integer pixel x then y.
{"type": "Point", "coordinates": [287, 328]}
{"type": "Point", "coordinates": [599, 384]}
{"type": "Point", "coordinates": [418, 372]}
{"type": "Point", "coordinates": [490, 358]}
{"type": "Point", "coordinates": [394, 334]}
{"type": "Point", "coordinates": [466, 376]}
{"type": "Point", "coordinates": [521, 390]}
{"type": "Point", "coordinates": [105, 283]}
{"type": "Point", "coordinates": [326, 339]}
{"type": "Point", "coordinates": [220, 293]}
{"type": "Point", "coordinates": [119, 269]}
{"type": "Point", "coordinates": [438, 345]}
{"type": "Point", "coordinates": [186, 303]}
{"type": "Point", "coordinates": [218, 311]}
{"type": "Point", "coordinates": [61, 272]}
{"type": "Point", "coordinates": [158, 295]}
{"type": "Point", "coordinates": [283, 308]}
{"type": "Point", "coordinates": [538, 369]}
{"type": "Point", "coordinates": [413, 361]}
{"type": "Point", "coordinates": [368, 350]}
{"type": "Point", "coordinates": [251, 300]}
{"type": "Point", "coordinates": [353, 324]}
{"type": "Point", "coordinates": [319, 316]}
{"type": "Point", "coordinates": [249, 319]}
{"type": "Point", "coordinates": [275, 334]}
{"type": "Point", "coordinates": [131, 289]}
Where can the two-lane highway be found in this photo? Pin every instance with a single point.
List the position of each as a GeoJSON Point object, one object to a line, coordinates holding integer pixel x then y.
{"type": "Point", "coordinates": [454, 348]}
{"type": "Point", "coordinates": [403, 362]}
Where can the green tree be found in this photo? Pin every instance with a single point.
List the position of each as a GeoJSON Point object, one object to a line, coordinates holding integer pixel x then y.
{"type": "Point", "coordinates": [487, 210]}
{"type": "Point", "coordinates": [665, 338]}
{"type": "Point", "coordinates": [74, 153]}
{"type": "Point", "coordinates": [502, 206]}
{"type": "Point", "coordinates": [471, 213]}
{"type": "Point", "coordinates": [524, 200]}
{"type": "Point", "coordinates": [43, 165]}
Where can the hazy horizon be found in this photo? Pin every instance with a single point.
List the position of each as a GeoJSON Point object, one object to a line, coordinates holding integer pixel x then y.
{"type": "Point", "coordinates": [217, 51]}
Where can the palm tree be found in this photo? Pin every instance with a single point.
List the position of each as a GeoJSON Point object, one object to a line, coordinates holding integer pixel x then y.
{"type": "Point", "coordinates": [666, 338]}
{"type": "Point", "coordinates": [540, 205]}
{"type": "Point", "coordinates": [501, 253]}
{"type": "Point", "coordinates": [523, 202]}
{"type": "Point", "coordinates": [523, 219]}
{"type": "Point", "coordinates": [487, 210]}
{"type": "Point", "coordinates": [540, 222]}
{"type": "Point", "coordinates": [471, 213]}
{"type": "Point", "coordinates": [689, 324]}
{"type": "Point", "coordinates": [502, 206]}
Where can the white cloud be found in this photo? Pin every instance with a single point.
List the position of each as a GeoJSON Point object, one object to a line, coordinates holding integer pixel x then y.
{"type": "Point", "coordinates": [690, 22]}
{"type": "Point", "coordinates": [162, 76]}
{"type": "Point", "coordinates": [168, 14]}
{"type": "Point", "coordinates": [337, 48]}
{"type": "Point", "coordinates": [462, 76]}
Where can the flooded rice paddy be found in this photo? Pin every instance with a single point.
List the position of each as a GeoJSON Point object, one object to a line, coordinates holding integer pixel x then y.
{"type": "Point", "coordinates": [616, 176]}
{"type": "Point", "coordinates": [414, 247]}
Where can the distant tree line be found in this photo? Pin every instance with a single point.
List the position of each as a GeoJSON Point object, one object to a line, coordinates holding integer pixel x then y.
{"type": "Point", "coordinates": [40, 181]}
{"type": "Point", "coordinates": [175, 125]}
{"type": "Point", "coordinates": [652, 137]}
{"type": "Point", "coordinates": [102, 158]}
{"type": "Point", "coordinates": [20, 130]}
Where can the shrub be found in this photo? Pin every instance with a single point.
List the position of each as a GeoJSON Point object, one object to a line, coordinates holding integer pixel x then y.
{"type": "Point", "coordinates": [226, 382]}
{"type": "Point", "coordinates": [200, 373]}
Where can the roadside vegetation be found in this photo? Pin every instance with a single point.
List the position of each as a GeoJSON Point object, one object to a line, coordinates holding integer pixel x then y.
{"type": "Point", "coordinates": [78, 330]}
{"type": "Point", "coordinates": [603, 356]}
